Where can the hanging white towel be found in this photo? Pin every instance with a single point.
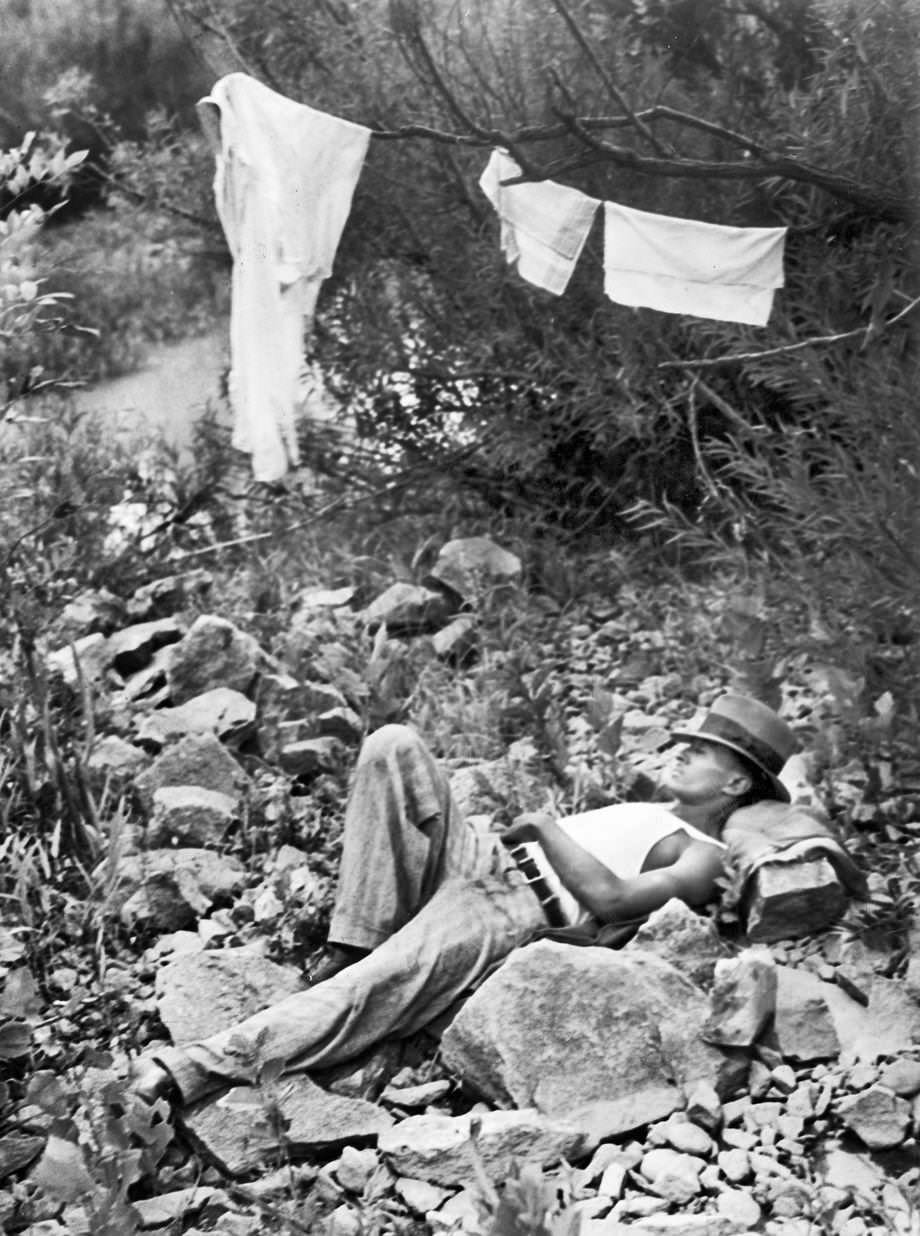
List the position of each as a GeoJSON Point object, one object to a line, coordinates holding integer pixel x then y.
{"type": "Point", "coordinates": [544, 226]}
{"type": "Point", "coordinates": [684, 266]}
{"type": "Point", "coordinates": [283, 185]}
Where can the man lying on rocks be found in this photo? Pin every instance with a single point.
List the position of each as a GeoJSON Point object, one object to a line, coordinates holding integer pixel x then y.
{"type": "Point", "coordinates": [426, 906]}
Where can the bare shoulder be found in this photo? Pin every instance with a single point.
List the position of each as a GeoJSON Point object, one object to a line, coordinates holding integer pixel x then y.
{"type": "Point", "coordinates": [680, 845]}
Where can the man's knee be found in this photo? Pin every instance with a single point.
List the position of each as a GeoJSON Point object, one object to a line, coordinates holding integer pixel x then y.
{"type": "Point", "coordinates": [390, 741]}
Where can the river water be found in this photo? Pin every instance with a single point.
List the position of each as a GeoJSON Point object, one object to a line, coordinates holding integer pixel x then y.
{"type": "Point", "coordinates": [168, 394]}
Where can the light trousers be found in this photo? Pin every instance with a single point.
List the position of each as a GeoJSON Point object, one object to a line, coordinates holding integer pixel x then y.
{"type": "Point", "coordinates": [438, 903]}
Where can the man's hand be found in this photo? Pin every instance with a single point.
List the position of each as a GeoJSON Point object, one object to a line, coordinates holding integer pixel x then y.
{"type": "Point", "coordinates": [527, 827]}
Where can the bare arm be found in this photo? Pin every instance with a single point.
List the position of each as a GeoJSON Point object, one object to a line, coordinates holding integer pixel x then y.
{"type": "Point", "coordinates": [691, 876]}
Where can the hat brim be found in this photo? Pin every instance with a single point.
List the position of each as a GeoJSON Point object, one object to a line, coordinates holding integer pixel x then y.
{"type": "Point", "coordinates": [779, 790]}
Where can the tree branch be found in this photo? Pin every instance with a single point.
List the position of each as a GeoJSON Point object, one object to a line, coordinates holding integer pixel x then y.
{"type": "Point", "coordinates": [869, 331]}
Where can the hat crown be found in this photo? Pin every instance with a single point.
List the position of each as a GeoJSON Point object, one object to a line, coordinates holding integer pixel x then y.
{"type": "Point", "coordinates": [751, 728]}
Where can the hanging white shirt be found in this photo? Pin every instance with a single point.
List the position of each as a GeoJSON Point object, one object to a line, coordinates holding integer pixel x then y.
{"type": "Point", "coordinates": [283, 185]}
{"type": "Point", "coordinates": [544, 225]}
{"type": "Point", "coordinates": [684, 266]}
{"type": "Point", "coordinates": [621, 837]}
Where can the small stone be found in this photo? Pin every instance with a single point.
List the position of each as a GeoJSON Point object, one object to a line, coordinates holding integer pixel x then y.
{"type": "Point", "coordinates": [91, 611]}
{"type": "Point", "coordinates": [704, 1107]}
{"type": "Point", "coordinates": [739, 1139]}
{"type": "Point", "coordinates": [166, 890]}
{"type": "Point", "coordinates": [474, 567]}
{"type": "Point", "coordinates": [169, 594]}
{"type": "Point", "coordinates": [762, 1115]}
{"type": "Point", "coordinates": [672, 1175]}
{"type": "Point", "coordinates": [344, 1221]}
{"type": "Point", "coordinates": [412, 1097]}
{"type": "Point", "coordinates": [419, 1195]}
{"type": "Point", "coordinates": [784, 1078]}
{"type": "Point", "coordinates": [408, 609]}
{"type": "Point", "coordinates": [341, 723]}
{"type": "Point", "coordinates": [739, 1207]}
{"type": "Point", "coordinates": [611, 1182]}
{"type": "Point", "coordinates": [743, 998]}
{"type": "Point", "coordinates": [688, 1138]}
{"type": "Point", "coordinates": [878, 1117]}
{"type": "Point", "coordinates": [355, 1168]}
{"type": "Point", "coordinates": [169, 1208]}
{"type": "Point", "coordinates": [902, 1076]}
{"type": "Point", "coordinates": [310, 756]}
{"type": "Point", "coordinates": [735, 1165]}
{"type": "Point", "coordinates": [759, 1079]}
{"type": "Point", "coordinates": [683, 937]}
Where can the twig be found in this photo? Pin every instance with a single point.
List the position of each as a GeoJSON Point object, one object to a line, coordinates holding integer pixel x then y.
{"type": "Point", "coordinates": [612, 89]}
{"type": "Point", "coordinates": [712, 362]}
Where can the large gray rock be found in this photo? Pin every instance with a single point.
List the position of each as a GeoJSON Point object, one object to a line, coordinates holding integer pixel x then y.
{"type": "Point", "coordinates": [190, 815]}
{"type": "Point", "coordinates": [214, 653]}
{"type": "Point", "coordinates": [473, 566]}
{"type": "Point", "coordinates": [408, 609]}
{"type": "Point", "coordinates": [440, 1149]}
{"type": "Point", "coordinates": [200, 994]}
{"type": "Point", "coordinates": [602, 1038]}
{"type": "Point", "coordinates": [686, 939]}
{"type": "Point", "coordinates": [238, 1132]}
{"type": "Point", "coordinates": [198, 759]}
{"type": "Point", "coordinates": [226, 713]}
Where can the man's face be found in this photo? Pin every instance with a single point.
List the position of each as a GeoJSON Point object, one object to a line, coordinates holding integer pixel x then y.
{"type": "Point", "coordinates": [701, 772]}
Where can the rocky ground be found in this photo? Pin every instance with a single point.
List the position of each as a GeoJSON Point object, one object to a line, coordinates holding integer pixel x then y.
{"type": "Point", "coordinates": [696, 1081]}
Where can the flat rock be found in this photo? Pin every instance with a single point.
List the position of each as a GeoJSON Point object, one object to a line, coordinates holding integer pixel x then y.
{"type": "Point", "coordinates": [587, 1034]}
{"type": "Point", "coordinates": [412, 1097]}
{"type": "Point", "coordinates": [200, 994]}
{"type": "Point", "coordinates": [743, 999]}
{"type": "Point", "coordinates": [190, 815]}
{"type": "Point", "coordinates": [116, 759]}
{"type": "Point", "coordinates": [226, 713]}
{"type": "Point", "coordinates": [408, 609]}
{"type": "Point", "coordinates": [131, 648]}
{"type": "Point", "coordinates": [791, 899]}
{"type": "Point", "coordinates": [172, 1207]}
{"type": "Point", "coordinates": [688, 941]}
{"type": "Point", "coordinates": [310, 756]}
{"type": "Point", "coordinates": [235, 1131]}
{"type": "Point", "coordinates": [879, 1118]}
{"type": "Point", "coordinates": [169, 594]}
{"type": "Point", "coordinates": [87, 657]}
{"type": "Point", "coordinates": [803, 1026]}
{"type": "Point", "coordinates": [439, 1149]}
{"type": "Point", "coordinates": [199, 759]}
{"type": "Point", "coordinates": [419, 1195]}
{"type": "Point", "coordinates": [474, 566]}
{"type": "Point", "coordinates": [214, 653]}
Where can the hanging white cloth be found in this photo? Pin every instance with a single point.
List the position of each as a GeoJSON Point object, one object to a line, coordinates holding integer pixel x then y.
{"type": "Point", "coordinates": [544, 225]}
{"type": "Point", "coordinates": [684, 266]}
{"type": "Point", "coordinates": [283, 186]}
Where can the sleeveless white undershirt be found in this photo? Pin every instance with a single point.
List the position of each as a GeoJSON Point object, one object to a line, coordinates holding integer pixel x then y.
{"type": "Point", "coordinates": [621, 837]}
